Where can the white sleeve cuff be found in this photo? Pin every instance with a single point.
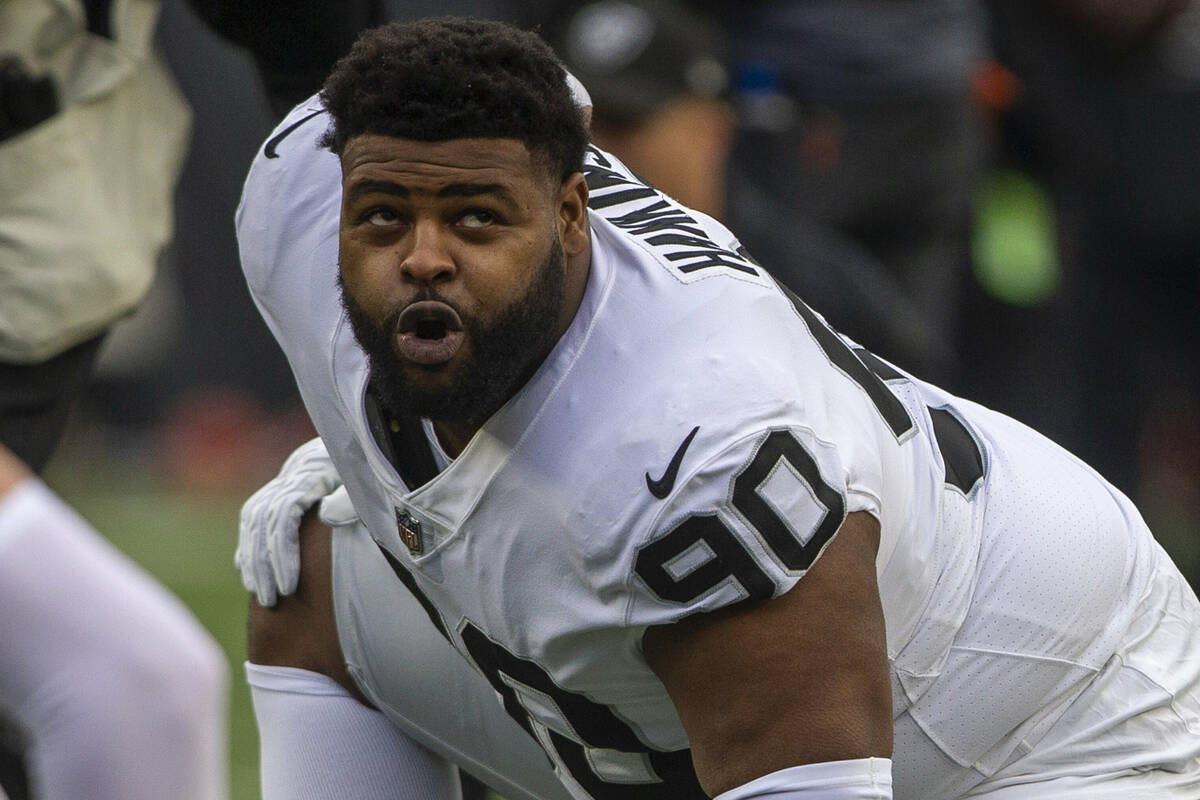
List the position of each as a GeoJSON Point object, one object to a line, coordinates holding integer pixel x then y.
{"type": "Point", "coordinates": [855, 779]}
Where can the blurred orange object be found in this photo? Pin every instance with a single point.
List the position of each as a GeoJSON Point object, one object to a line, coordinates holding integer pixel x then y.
{"type": "Point", "coordinates": [996, 87]}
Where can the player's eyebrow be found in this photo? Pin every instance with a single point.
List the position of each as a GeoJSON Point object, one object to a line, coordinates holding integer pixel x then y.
{"type": "Point", "coordinates": [360, 188]}
{"type": "Point", "coordinates": [473, 190]}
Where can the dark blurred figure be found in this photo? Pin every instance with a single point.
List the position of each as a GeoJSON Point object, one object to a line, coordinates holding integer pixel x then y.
{"type": "Point", "coordinates": [1107, 119]}
{"type": "Point", "coordinates": [658, 74]}
{"type": "Point", "coordinates": [294, 44]}
{"type": "Point", "coordinates": [859, 115]}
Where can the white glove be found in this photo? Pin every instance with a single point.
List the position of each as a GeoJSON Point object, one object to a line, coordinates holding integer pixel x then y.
{"type": "Point", "coordinates": [268, 551]}
{"type": "Point", "coordinates": [336, 510]}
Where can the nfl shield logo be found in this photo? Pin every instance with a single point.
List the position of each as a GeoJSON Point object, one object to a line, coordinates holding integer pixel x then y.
{"type": "Point", "coordinates": [410, 532]}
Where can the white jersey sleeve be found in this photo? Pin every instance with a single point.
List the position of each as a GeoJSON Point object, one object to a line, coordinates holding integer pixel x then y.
{"type": "Point", "coordinates": [287, 231]}
{"type": "Point", "coordinates": [747, 525]}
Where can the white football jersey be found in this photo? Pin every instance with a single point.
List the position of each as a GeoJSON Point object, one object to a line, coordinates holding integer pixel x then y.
{"type": "Point", "coordinates": [693, 441]}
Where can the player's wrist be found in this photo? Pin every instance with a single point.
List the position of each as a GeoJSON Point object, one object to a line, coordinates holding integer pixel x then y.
{"type": "Point", "coordinates": [853, 779]}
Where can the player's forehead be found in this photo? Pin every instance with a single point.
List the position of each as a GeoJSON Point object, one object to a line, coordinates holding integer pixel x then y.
{"type": "Point", "coordinates": [430, 167]}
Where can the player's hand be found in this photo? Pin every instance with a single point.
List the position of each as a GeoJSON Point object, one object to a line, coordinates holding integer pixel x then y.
{"type": "Point", "coordinates": [268, 551]}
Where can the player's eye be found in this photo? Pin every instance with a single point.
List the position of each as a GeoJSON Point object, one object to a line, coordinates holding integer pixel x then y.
{"type": "Point", "coordinates": [380, 217]}
{"type": "Point", "coordinates": [477, 218]}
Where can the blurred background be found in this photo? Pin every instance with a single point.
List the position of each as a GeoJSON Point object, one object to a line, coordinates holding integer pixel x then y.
{"type": "Point", "coordinates": [1000, 197]}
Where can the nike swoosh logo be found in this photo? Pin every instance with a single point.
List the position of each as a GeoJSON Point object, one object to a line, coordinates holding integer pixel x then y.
{"type": "Point", "coordinates": [269, 150]}
{"type": "Point", "coordinates": [662, 487]}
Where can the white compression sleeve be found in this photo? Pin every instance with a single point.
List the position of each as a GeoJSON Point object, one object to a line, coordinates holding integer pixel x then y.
{"type": "Point", "coordinates": [855, 779]}
{"type": "Point", "coordinates": [123, 694]}
{"type": "Point", "coordinates": [319, 743]}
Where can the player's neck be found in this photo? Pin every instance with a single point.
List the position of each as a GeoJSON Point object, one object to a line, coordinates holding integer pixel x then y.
{"type": "Point", "coordinates": [453, 436]}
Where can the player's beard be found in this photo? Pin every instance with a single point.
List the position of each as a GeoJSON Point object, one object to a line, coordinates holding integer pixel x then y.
{"type": "Point", "coordinates": [504, 354]}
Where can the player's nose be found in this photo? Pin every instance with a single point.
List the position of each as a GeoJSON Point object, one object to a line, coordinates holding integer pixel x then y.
{"type": "Point", "coordinates": [428, 260]}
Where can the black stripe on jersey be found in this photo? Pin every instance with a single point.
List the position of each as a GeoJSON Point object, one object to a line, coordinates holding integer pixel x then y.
{"type": "Point", "coordinates": [839, 353]}
{"type": "Point", "coordinates": [616, 198]}
{"type": "Point", "coordinates": [744, 253]}
{"type": "Point", "coordinates": [595, 724]}
{"type": "Point", "coordinates": [601, 176]}
{"type": "Point", "coordinates": [410, 583]}
{"type": "Point", "coordinates": [270, 149]}
{"type": "Point", "coordinates": [960, 451]}
{"type": "Point", "coordinates": [656, 217]}
{"type": "Point", "coordinates": [961, 454]}
{"type": "Point", "coordinates": [679, 782]}
{"type": "Point", "coordinates": [708, 260]}
{"type": "Point", "coordinates": [677, 771]}
{"type": "Point", "coordinates": [884, 370]}
{"type": "Point", "coordinates": [667, 226]}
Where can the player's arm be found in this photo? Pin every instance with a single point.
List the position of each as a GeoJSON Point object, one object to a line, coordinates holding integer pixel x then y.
{"type": "Point", "coordinates": [318, 738]}
{"type": "Point", "coordinates": [802, 679]}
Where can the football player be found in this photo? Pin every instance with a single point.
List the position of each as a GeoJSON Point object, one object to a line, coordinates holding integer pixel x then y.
{"type": "Point", "coordinates": [696, 543]}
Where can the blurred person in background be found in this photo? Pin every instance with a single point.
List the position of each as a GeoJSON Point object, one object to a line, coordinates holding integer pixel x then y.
{"type": "Point", "coordinates": [858, 115]}
{"type": "Point", "coordinates": [92, 134]}
{"type": "Point", "coordinates": [657, 72]}
{"type": "Point", "coordinates": [117, 690]}
{"type": "Point", "coordinates": [1106, 119]}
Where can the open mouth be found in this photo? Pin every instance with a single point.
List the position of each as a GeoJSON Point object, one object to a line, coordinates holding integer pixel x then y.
{"type": "Point", "coordinates": [428, 332]}
{"type": "Point", "coordinates": [430, 329]}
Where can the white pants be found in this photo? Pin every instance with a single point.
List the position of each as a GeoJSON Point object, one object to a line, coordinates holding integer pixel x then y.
{"type": "Point", "coordinates": [1142, 708]}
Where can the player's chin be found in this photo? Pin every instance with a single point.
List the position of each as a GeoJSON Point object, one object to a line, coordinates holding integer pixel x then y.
{"type": "Point", "coordinates": [436, 381]}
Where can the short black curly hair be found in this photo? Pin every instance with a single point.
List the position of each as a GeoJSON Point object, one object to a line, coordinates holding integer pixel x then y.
{"type": "Point", "coordinates": [452, 78]}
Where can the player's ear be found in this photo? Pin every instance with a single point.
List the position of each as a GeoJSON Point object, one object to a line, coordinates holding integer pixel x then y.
{"type": "Point", "coordinates": [571, 210]}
